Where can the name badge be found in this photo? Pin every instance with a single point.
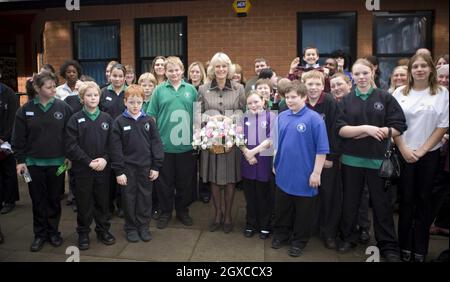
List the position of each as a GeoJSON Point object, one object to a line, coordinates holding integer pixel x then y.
{"type": "Point", "coordinates": [108, 98]}
{"type": "Point", "coordinates": [29, 114]}
{"type": "Point", "coordinates": [125, 128]}
{"type": "Point", "coordinates": [81, 120]}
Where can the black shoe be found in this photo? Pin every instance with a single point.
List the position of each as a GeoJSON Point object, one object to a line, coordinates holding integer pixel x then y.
{"type": "Point", "coordinates": [74, 207]}
{"type": "Point", "coordinates": [276, 243]}
{"type": "Point", "coordinates": [83, 241]}
{"type": "Point", "coordinates": [7, 208]}
{"type": "Point", "coordinates": [163, 221]}
{"type": "Point", "coordinates": [205, 199]}
{"type": "Point", "coordinates": [56, 240]}
{"type": "Point", "coordinates": [145, 235]}
{"type": "Point", "coordinates": [185, 219]}
{"type": "Point", "coordinates": [419, 258]}
{"type": "Point", "coordinates": [249, 233]}
{"type": "Point", "coordinates": [330, 243]}
{"type": "Point", "coordinates": [214, 226]}
{"type": "Point", "coordinates": [132, 236]}
{"type": "Point", "coordinates": [405, 255]}
{"type": "Point", "coordinates": [155, 214]}
{"type": "Point", "coordinates": [37, 244]}
{"type": "Point", "coordinates": [2, 239]}
{"type": "Point", "coordinates": [106, 238]}
{"type": "Point", "coordinates": [391, 257]}
{"type": "Point", "coordinates": [364, 236]}
{"type": "Point", "coordinates": [345, 247]}
{"type": "Point", "coordinates": [263, 235]}
{"type": "Point", "coordinates": [294, 251]}
{"type": "Point", "coordinates": [227, 227]}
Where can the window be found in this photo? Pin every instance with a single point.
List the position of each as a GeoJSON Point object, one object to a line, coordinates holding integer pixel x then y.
{"type": "Point", "coordinates": [160, 37]}
{"type": "Point", "coordinates": [95, 44]}
{"type": "Point", "coordinates": [328, 32]}
{"type": "Point", "coordinates": [399, 35]}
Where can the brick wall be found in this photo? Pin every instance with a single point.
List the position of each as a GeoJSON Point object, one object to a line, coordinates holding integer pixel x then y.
{"type": "Point", "coordinates": [269, 30]}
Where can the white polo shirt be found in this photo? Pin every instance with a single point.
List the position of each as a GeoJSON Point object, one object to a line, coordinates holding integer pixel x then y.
{"type": "Point", "coordinates": [424, 113]}
{"type": "Point", "coordinates": [63, 91]}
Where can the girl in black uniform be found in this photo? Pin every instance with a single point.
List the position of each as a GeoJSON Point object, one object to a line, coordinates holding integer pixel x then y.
{"type": "Point", "coordinates": [39, 150]}
{"type": "Point", "coordinates": [366, 117]}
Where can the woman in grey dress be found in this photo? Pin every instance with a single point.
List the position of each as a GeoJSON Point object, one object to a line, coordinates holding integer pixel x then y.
{"type": "Point", "coordinates": [221, 99]}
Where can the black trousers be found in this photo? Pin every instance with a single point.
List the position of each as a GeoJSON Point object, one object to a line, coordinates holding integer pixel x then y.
{"type": "Point", "coordinates": [354, 179]}
{"type": "Point", "coordinates": [114, 193]}
{"type": "Point", "coordinates": [416, 185]}
{"type": "Point", "coordinates": [294, 216]}
{"type": "Point", "coordinates": [137, 198]}
{"type": "Point", "coordinates": [175, 182]}
{"type": "Point", "coordinates": [330, 201]}
{"type": "Point", "coordinates": [363, 211]}
{"type": "Point", "coordinates": [9, 187]}
{"type": "Point", "coordinates": [440, 195]}
{"type": "Point", "coordinates": [259, 204]}
{"type": "Point", "coordinates": [92, 194]}
{"type": "Point", "coordinates": [72, 186]}
{"type": "Point", "coordinates": [45, 192]}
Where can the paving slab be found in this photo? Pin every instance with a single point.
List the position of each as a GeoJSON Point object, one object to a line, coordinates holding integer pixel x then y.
{"type": "Point", "coordinates": [169, 244]}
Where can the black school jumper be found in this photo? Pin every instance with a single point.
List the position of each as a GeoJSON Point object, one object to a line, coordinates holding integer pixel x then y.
{"type": "Point", "coordinates": [136, 149]}
{"type": "Point", "coordinates": [86, 140]}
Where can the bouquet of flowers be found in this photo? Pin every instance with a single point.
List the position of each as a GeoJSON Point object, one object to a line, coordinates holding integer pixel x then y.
{"type": "Point", "coordinates": [218, 136]}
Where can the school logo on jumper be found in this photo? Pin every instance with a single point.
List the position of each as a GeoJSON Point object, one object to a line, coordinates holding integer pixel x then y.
{"type": "Point", "coordinates": [264, 124]}
{"type": "Point", "coordinates": [186, 94]}
{"type": "Point", "coordinates": [58, 115]}
{"type": "Point", "coordinates": [378, 106]}
{"type": "Point", "coordinates": [147, 126]}
{"type": "Point", "coordinates": [301, 127]}
{"type": "Point", "coordinates": [105, 126]}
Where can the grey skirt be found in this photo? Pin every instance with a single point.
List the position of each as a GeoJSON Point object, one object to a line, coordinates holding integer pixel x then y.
{"type": "Point", "coordinates": [221, 169]}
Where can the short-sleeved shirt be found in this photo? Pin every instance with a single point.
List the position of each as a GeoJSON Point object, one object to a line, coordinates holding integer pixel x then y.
{"type": "Point", "coordinates": [301, 136]}
{"type": "Point", "coordinates": [173, 110]}
{"type": "Point", "coordinates": [424, 113]}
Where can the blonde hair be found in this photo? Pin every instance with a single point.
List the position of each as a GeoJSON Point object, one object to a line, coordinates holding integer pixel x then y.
{"type": "Point", "coordinates": [220, 58]}
{"type": "Point", "coordinates": [313, 74]}
{"type": "Point", "coordinates": [254, 92]}
{"type": "Point", "coordinates": [340, 75]}
{"type": "Point", "coordinates": [432, 79]}
{"type": "Point", "coordinates": [172, 60]}
{"type": "Point", "coordinates": [392, 86]}
{"type": "Point", "coordinates": [84, 86]}
{"type": "Point", "coordinates": [147, 76]}
{"type": "Point", "coordinates": [202, 71]}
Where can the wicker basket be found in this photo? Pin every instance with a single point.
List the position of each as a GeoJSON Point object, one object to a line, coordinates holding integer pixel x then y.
{"type": "Point", "coordinates": [219, 149]}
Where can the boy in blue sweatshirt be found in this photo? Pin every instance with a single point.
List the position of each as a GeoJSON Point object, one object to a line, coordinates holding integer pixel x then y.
{"type": "Point", "coordinates": [302, 146]}
{"type": "Point", "coordinates": [137, 156]}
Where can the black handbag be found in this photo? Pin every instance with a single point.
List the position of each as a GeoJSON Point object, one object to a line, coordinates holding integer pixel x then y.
{"type": "Point", "coordinates": [390, 167]}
